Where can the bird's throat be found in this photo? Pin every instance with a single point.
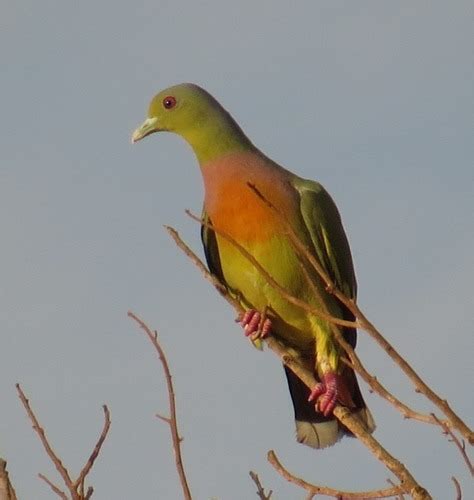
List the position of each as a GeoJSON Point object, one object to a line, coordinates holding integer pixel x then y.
{"type": "Point", "coordinates": [214, 139]}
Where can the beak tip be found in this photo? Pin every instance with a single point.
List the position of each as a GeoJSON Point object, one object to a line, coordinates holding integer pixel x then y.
{"type": "Point", "coordinates": [146, 128]}
{"type": "Point", "coordinates": [136, 136]}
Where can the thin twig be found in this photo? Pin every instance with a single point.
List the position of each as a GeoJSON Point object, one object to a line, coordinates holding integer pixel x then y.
{"type": "Point", "coordinates": [199, 264]}
{"type": "Point", "coordinates": [457, 486]}
{"type": "Point", "coordinates": [172, 420]}
{"type": "Point", "coordinates": [349, 420]}
{"type": "Point", "coordinates": [313, 489]}
{"type": "Point", "coordinates": [453, 420]}
{"type": "Point", "coordinates": [401, 496]}
{"type": "Point", "coordinates": [56, 490]}
{"type": "Point", "coordinates": [95, 452]}
{"type": "Point", "coordinates": [460, 445]}
{"type": "Point", "coordinates": [260, 490]}
{"type": "Point", "coordinates": [44, 440]}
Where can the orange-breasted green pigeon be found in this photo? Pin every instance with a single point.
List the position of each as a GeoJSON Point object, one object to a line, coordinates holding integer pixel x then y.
{"type": "Point", "coordinates": [229, 164]}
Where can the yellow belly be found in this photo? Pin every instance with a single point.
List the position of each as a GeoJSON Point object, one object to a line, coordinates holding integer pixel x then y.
{"type": "Point", "coordinates": [277, 257]}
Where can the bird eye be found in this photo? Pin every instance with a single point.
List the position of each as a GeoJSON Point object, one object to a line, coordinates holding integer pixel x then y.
{"type": "Point", "coordinates": [169, 102]}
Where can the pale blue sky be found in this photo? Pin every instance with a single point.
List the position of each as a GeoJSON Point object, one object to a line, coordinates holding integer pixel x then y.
{"type": "Point", "coordinates": [373, 99]}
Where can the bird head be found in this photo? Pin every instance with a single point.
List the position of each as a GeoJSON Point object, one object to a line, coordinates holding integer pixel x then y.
{"type": "Point", "coordinates": [191, 112]}
{"type": "Point", "coordinates": [180, 109]}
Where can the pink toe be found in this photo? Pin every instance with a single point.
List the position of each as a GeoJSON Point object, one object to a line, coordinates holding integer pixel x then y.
{"type": "Point", "coordinates": [327, 403]}
{"type": "Point", "coordinates": [326, 394]}
{"type": "Point", "coordinates": [246, 317]}
{"type": "Point", "coordinates": [252, 324]}
{"type": "Point", "coordinates": [266, 328]}
{"type": "Point", "coordinates": [317, 391]}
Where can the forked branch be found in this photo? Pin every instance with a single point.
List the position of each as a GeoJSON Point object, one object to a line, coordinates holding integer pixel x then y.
{"type": "Point", "coordinates": [76, 487]}
{"type": "Point", "coordinates": [313, 490]}
{"type": "Point", "coordinates": [260, 489]}
{"type": "Point", "coordinates": [172, 419]}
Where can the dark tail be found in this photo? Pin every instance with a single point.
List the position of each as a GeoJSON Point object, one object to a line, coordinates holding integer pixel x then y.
{"type": "Point", "coordinates": [312, 427]}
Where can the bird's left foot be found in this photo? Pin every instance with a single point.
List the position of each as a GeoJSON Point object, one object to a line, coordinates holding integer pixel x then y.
{"type": "Point", "coordinates": [256, 325]}
{"type": "Point", "coordinates": [325, 395]}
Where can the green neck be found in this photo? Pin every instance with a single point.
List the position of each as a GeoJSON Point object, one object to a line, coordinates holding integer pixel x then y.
{"type": "Point", "coordinates": [217, 136]}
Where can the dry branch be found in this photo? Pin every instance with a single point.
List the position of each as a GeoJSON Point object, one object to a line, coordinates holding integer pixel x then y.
{"type": "Point", "coordinates": [401, 496]}
{"type": "Point", "coordinates": [453, 420]}
{"type": "Point", "coordinates": [302, 250]}
{"type": "Point", "coordinates": [460, 444]}
{"type": "Point", "coordinates": [407, 482]}
{"type": "Point", "coordinates": [76, 487]}
{"type": "Point", "coordinates": [260, 489]}
{"type": "Point", "coordinates": [172, 419]}
{"type": "Point", "coordinates": [457, 487]}
{"type": "Point", "coordinates": [313, 490]}
{"type": "Point", "coordinates": [55, 489]}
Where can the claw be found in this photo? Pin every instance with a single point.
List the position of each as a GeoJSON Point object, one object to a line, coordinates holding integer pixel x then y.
{"type": "Point", "coordinates": [255, 325]}
{"type": "Point", "coordinates": [326, 393]}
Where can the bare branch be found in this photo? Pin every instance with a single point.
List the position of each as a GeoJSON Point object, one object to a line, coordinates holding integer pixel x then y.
{"type": "Point", "coordinates": [75, 488]}
{"type": "Point", "coordinates": [95, 452]}
{"type": "Point", "coordinates": [460, 445]}
{"type": "Point", "coordinates": [349, 420]}
{"type": "Point", "coordinates": [420, 386]}
{"type": "Point", "coordinates": [172, 421]}
{"type": "Point", "coordinates": [356, 364]}
{"type": "Point", "coordinates": [55, 489]}
{"type": "Point", "coordinates": [453, 420]}
{"type": "Point", "coordinates": [401, 496]}
{"type": "Point", "coordinates": [44, 440]}
{"type": "Point", "coordinates": [457, 486]}
{"type": "Point", "coordinates": [260, 490]}
{"type": "Point", "coordinates": [313, 489]}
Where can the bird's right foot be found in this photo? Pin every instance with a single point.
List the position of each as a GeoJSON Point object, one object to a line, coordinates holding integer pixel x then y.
{"type": "Point", "coordinates": [331, 391]}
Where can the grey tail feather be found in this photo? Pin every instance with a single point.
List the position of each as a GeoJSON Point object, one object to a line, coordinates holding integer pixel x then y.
{"type": "Point", "coordinates": [313, 428]}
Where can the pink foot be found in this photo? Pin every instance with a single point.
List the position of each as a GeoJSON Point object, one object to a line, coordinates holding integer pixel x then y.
{"type": "Point", "coordinates": [255, 324]}
{"type": "Point", "coordinates": [327, 392]}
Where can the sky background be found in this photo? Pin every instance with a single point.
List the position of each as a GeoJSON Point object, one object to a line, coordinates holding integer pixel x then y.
{"type": "Point", "coordinates": [373, 99]}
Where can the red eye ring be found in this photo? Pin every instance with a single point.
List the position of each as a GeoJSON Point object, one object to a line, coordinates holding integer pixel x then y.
{"type": "Point", "coordinates": [169, 102]}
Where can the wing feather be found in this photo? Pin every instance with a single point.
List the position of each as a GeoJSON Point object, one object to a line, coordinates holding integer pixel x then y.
{"type": "Point", "coordinates": [330, 244]}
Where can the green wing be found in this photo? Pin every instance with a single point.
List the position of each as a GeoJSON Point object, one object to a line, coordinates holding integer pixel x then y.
{"type": "Point", "coordinates": [329, 239]}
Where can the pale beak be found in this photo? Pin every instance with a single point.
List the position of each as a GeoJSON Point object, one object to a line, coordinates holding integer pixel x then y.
{"type": "Point", "coordinates": [149, 126]}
